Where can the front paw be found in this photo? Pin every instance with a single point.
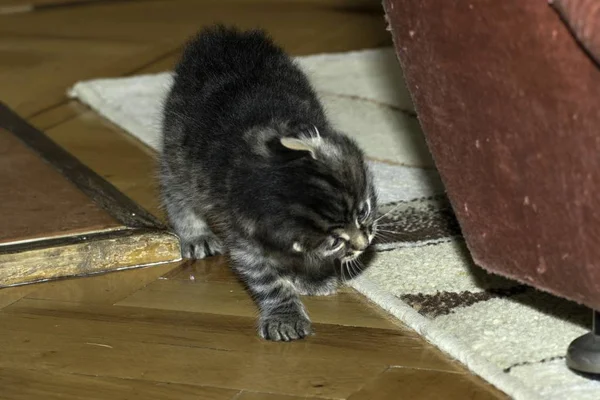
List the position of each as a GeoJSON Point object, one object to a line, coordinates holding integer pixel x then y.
{"type": "Point", "coordinates": [201, 247]}
{"type": "Point", "coordinates": [284, 327]}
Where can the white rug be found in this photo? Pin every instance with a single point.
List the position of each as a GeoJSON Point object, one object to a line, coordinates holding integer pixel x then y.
{"type": "Point", "coordinates": [513, 336]}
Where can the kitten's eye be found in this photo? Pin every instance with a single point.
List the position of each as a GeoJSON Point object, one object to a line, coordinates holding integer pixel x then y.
{"type": "Point", "coordinates": [336, 243]}
{"type": "Point", "coordinates": [363, 213]}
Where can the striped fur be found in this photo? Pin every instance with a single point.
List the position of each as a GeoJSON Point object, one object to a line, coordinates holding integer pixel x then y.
{"type": "Point", "coordinates": [249, 152]}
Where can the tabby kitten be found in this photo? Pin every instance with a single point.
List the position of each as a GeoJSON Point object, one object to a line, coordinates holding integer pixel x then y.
{"type": "Point", "coordinates": [249, 152]}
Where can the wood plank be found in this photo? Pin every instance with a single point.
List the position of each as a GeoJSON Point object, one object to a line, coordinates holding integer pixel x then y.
{"type": "Point", "coordinates": [116, 357]}
{"type": "Point", "coordinates": [212, 269]}
{"type": "Point", "coordinates": [62, 219]}
{"type": "Point", "coordinates": [25, 384]}
{"type": "Point", "coordinates": [41, 202]}
{"type": "Point", "coordinates": [104, 195]}
{"type": "Point", "coordinates": [217, 269]}
{"type": "Point", "coordinates": [24, 6]}
{"type": "Point", "coordinates": [84, 257]}
{"type": "Point", "coordinates": [132, 166]}
{"type": "Point", "coordinates": [270, 396]}
{"type": "Point", "coordinates": [26, 59]}
{"type": "Point", "coordinates": [58, 115]}
{"type": "Point", "coordinates": [331, 28]}
{"type": "Point", "coordinates": [406, 383]}
{"type": "Point", "coordinates": [101, 289]}
{"type": "Point", "coordinates": [166, 63]}
{"type": "Point", "coordinates": [13, 294]}
{"type": "Point", "coordinates": [232, 299]}
{"type": "Point", "coordinates": [41, 3]}
{"type": "Point", "coordinates": [224, 333]}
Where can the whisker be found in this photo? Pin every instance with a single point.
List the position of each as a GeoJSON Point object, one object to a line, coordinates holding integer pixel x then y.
{"type": "Point", "coordinates": [317, 133]}
{"type": "Point", "coordinates": [344, 270]}
{"type": "Point", "coordinates": [351, 269]}
{"type": "Point", "coordinates": [390, 211]}
{"type": "Point", "coordinates": [384, 235]}
{"type": "Point", "coordinates": [388, 231]}
{"type": "Point", "coordinates": [356, 268]}
{"type": "Point", "coordinates": [361, 266]}
{"type": "Point", "coordinates": [385, 240]}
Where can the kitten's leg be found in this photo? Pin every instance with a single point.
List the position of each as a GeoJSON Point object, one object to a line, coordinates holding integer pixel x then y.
{"type": "Point", "coordinates": [323, 287]}
{"type": "Point", "coordinates": [197, 240]}
{"type": "Point", "coordinates": [282, 314]}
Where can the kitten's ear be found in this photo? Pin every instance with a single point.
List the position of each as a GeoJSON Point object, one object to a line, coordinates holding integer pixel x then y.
{"type": "Point", "coordinates": [300, 145]}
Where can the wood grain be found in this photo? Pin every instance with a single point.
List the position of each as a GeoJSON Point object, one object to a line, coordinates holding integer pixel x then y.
{"type": "Point", "coordinates": [232, 299]}
{"type": "Point", "coordinates": [229, 333]}
{"type": "Point", "coordinates": [62, 219]}
{"type": "Point", "coordinates": [24, 58]}
{"type": "Point", "coordinates": [110, 253]}
{"type": "Point", "coordinates": [131, 167]}
{"type": "Point", "coordinates": [78, 335]}
{"type": "Point", "coordinates": [270, 396]}
{"type": "Point", "coordinates": [13, 294]}
{"type": "Point", "coordinates": [113, 356]}
{"type": "Point", "coordinates": [26, 384]}
{"type": "Point", "coordinates": [403, 383]}
{"type": "Point", "coordinates": [42, 203]}
{"type": "Point", "coordinates": [105, 289]}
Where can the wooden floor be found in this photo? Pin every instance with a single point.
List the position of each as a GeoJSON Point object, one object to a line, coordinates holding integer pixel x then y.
{"type": "Point", "coordinates": [185, 330]}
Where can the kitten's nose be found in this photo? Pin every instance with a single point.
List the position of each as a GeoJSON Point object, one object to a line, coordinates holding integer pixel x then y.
{"type": "Point", "coordinates": [359, 241]}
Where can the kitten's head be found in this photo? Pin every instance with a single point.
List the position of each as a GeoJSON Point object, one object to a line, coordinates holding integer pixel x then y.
{"type": "Point", "coordinates": [334, 195]}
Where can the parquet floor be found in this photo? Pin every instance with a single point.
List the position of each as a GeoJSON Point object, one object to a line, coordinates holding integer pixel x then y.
{"type": "Point", "coordinates": [187, 330]}
{"type": "Point", "coordinates": [183, 330]}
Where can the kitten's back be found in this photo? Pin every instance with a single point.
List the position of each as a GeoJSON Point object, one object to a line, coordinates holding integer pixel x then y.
{"type": "Point", "coordinates": [221, 52]}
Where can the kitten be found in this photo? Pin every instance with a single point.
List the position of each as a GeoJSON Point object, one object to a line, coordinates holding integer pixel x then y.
{"type": "Point", "coordinates": [249, 152]}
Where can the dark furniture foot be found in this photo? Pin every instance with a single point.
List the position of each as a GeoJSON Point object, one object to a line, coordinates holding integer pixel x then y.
{"type": "Point", "coordinates": [584, 352]}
